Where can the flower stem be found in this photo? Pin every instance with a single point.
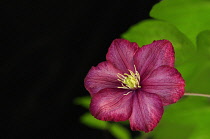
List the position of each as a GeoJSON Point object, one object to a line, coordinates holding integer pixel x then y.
{"type": "Point", "coordinates": [196, 94]}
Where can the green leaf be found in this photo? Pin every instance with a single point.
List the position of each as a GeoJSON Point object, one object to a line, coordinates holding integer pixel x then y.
{"type": "Point", "coordinates": [82, 101]}
{"type": "Point", "coordinates": [203, 43]}
{"type": "Point", "coordinates": [189, 16]}
{"type": "Point", "coordinates": [200, 81]}
{"type": "Point", "coordinates": [187, 119]}
{"type": "Point", "coordinates": [119, 132]}
{"type": "Point", "coordinates": [92, 122]}
{"type": "Point", "coordinates": [149, 30]}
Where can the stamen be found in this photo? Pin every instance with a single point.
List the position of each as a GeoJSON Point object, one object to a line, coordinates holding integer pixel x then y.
{"type": "Point", "coordinates": [121, 77]}
{"type": "Point", "coordinates": [123, 86]}
{"type": "Point", "coordinates": [129, 81]}
{"type": "Point", "coordinates": [127, 93]}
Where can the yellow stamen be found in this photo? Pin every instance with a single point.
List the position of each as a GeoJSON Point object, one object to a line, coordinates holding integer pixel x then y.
{"type": "Point", "coordinates": [129, 81]}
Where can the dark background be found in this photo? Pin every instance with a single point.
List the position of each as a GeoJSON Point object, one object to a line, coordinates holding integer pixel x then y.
{"type": "Point", "coordinates": [47, 48]}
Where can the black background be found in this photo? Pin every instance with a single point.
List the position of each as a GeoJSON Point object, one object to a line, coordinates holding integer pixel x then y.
{"type": "Point", "coordinates": [47, 48]}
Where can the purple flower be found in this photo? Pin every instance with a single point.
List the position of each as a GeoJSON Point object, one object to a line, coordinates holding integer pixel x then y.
{"type": "Point", "coordinates": [135, 83]}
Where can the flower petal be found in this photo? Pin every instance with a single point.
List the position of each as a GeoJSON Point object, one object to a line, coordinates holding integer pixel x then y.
{"type": "Point", "coordinates": [104, 75]}
{"type": "Point", "coordinates": [167, 83]}
{"type": "Point", "coordinates": [147, 111]}
{"type": "Point", "coordinates": [111, 105]}
{"type": "Point", "coordinates": [121, 53]}
{"type": "Point", "coordinates": [153, 55]}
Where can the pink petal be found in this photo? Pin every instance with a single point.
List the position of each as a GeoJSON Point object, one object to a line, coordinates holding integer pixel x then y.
{"type": "Point", "coordinates": [167, 83]}
{"type": "Point", "coordinates": [153, 55]}
{"type": "Point", "coordinates": [121, 53]}
{"type": "Point", "coordinates": [111, 105]}
{"type": "Point", "coordinates": [104, 75]}
{"type": "Point", "coordinates": [147, 111]}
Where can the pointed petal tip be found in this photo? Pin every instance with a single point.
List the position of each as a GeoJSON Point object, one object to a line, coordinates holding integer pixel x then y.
{"type": "Point", "coordinates": [151, 56]}
{"type": "Point", "coordinates": [120, 54]}
{"type": "Point", "coordinates": [86, 82]}
{"type": "Point", "coordinates": [163, 41]}
{"type": "Point", "coordinates": [167, 83]}
{"type": "Point", "coordinates": [123, 43]}
{"type": "Point", "coordinates": [121, 40]}
{"type": "Point", "coordinates": [147, 112]}
{"type": "Point", "coordinates": [148, 128]}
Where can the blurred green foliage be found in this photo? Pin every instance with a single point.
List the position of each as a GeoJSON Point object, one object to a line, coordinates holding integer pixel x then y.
{"type": "Point", "coordinates": [189, 16]}
{"type": "Point", "coordinates": [200, 82]}
{"type": "Point", "coordinates": [83, 101]}
{"type": "Point", "coordinates": [187, 119]}
{"type": "Point", "coordinates": [186, 23]}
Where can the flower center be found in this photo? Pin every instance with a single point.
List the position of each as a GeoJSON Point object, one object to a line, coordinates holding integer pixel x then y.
{"type": "Point", "coordinates": [129, 81]}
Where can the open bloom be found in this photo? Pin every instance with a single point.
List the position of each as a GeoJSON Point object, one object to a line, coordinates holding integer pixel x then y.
{"type": "Point", "coordinates": [134, 83]}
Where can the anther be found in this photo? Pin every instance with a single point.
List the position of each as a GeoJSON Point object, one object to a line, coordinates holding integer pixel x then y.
{"type": "Point", "coordinates": [129, 81]}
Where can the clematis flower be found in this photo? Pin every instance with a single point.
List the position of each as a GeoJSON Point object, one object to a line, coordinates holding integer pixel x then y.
{"type": "Point", "coordinates": [135, 83]}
